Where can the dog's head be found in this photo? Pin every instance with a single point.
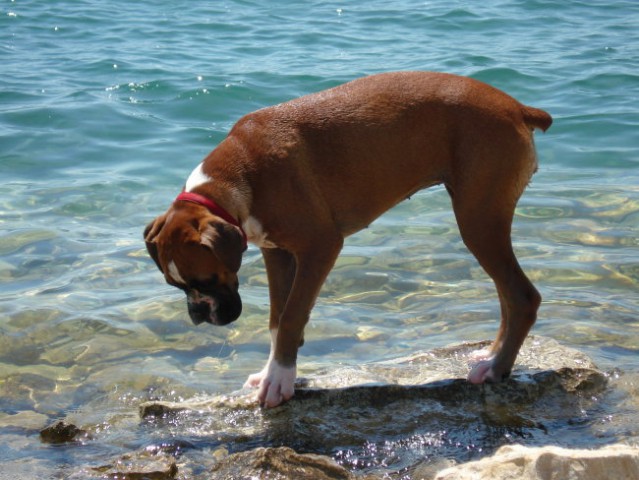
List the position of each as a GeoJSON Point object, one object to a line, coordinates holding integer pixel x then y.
{"type": "Point", "coordinates": [200, 254]}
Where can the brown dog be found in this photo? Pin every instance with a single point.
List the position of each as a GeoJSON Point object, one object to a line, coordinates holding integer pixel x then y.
{"type": "Point", "coordinates": [299, 177]}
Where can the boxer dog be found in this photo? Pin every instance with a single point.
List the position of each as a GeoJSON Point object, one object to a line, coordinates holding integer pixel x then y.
{"type": "Point", "coordinates": [297, 178]}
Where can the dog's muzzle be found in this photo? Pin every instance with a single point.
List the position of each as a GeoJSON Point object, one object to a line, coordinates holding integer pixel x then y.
{"type": "Point", "coordinates": [219, 310]}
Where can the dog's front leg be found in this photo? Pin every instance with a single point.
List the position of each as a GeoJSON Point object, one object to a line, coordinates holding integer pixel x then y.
{"type": "Point", "coordinates": [312, 265]}
{"type": "Point", "coordinates": [280, 271]}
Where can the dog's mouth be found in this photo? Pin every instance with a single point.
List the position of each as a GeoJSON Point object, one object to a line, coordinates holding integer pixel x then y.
{"type": "Point", "coordinates": [216, 310]}
{"type": "Point", "coordinates": [202, 308]}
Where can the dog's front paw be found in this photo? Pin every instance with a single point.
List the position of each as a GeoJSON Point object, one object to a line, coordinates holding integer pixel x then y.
{"type": "Point", "coordinates": [254, 380]}
{"type": "Point", "coordinates": [276, 383]}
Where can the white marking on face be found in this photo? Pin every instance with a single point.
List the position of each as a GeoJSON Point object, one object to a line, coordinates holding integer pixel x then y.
{"type": "Point", "coordinates": [197, 178]}
{"type": "Point", "coordinates": [174, 273]}
{"type": "Point", "coordinates": [196, 297]}
{"type": "Point", "coordinates": [256, 233]}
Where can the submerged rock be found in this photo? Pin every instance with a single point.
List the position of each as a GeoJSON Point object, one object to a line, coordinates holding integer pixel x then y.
{"type": "Point", "coordinates": [525, 463]}
{"type": "Point", "coordinates": [27, 419]}
{"type": "Point", "coordinates": [62, 433]}
{"type": "Point", "coordinates": [142, 465]}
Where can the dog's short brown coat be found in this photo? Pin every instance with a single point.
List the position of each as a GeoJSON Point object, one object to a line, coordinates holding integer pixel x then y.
{"type": "Point", "coordinates": [303, 175]}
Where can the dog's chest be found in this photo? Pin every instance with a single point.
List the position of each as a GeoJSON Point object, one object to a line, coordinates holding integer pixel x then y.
{"type": "Point", "coordinates": [256, 234]}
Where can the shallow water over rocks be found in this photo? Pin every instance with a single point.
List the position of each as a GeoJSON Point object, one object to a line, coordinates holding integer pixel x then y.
{"type": "Point", "coordinates": [401, 419]}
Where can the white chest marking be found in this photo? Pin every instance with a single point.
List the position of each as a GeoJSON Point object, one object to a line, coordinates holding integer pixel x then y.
{"type": "Point", "coordinates": [197, 178]}
{"type": "Point", "coordinates": [174, 273]}
{"type": "Point", "coordinates": [256, 233]}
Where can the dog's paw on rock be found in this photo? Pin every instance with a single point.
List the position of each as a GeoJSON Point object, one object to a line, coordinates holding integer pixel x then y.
{"type": "Point", "coordinates": [275, 383]}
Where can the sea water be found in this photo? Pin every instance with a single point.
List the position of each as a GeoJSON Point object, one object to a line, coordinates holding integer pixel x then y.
{"type": "Point", "coordinates": [106, 106]}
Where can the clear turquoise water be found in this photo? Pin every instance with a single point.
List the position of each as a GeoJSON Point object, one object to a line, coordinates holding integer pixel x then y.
{"type": "Point", "coordinates": [105, 107]}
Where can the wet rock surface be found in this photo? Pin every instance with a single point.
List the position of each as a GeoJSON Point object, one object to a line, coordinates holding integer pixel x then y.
{"type": "Point", "coordinates": [62, 433]}
{"type": "Point", "coordinates": [280, 464]}
{"type": "Point", "coordinates": [401, 416]}
{"type": "Point", "coordinates": [396, 427]}
{"type": "Point", "coordinates": [407, 418]}
{"type": "Point", "coordinates": [145, 465]}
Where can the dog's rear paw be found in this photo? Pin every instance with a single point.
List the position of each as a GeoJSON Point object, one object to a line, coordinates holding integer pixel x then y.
{"type": "Point", "coordinates": [482, 372]}
{"type": "Point", "coordinates": [481, 363]}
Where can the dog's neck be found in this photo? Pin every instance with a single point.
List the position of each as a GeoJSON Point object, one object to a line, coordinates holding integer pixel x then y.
{"type": "Point", "coordinates": [214, 208]}
{"type": "Point", "coordinates": [235, 200]}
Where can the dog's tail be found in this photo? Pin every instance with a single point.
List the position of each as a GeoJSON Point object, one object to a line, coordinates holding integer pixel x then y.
{"type": "Point", "coordinates": [536, 118]}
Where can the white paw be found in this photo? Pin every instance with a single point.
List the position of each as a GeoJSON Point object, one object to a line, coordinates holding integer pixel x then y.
{"type": "Point", "coordinates": [276, 383]}
{"type": "Point", "coordinates": [482, 371]}
{"type": "Point", "coordinates": [253, 381]}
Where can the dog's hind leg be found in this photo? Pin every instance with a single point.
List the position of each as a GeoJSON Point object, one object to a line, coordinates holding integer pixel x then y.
{"type": "Point", "coordinates": [484, 217]}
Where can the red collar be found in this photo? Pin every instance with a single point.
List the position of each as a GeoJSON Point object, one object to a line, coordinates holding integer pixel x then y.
{"type": "Point", "coordinates": [212, 207]}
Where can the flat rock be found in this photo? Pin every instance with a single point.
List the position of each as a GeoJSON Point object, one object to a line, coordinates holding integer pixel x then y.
{"type": "Point", "coordinates": [405, 414]}
{"type": "Point", "coordinates": [537, 354]}
{"type": "Point", "coordinates": [543, 463]}
{"type": "Point", "coordinates": [424, 374]}
{"type": "Point", "coordinates": [143, 465]}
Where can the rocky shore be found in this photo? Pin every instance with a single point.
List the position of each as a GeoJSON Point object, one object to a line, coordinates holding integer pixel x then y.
{"type": "Point", "coordinates": [410, 418]}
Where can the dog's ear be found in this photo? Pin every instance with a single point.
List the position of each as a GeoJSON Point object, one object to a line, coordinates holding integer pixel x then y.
{"type": "Point", "coordinates": [225, 241]}
{"type": "Point", "coordinates": [150, 233]}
